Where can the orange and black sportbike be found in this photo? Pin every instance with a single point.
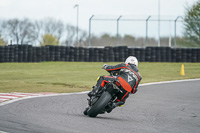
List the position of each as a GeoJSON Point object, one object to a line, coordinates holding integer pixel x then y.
{"type": "Point", "coordinates": [104, 99]}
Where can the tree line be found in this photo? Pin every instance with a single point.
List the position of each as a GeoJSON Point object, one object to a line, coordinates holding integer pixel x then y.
{"type": "Point", "coordinates": [47, 31]}
{"type": "Point", "coordinates": [54, 32]}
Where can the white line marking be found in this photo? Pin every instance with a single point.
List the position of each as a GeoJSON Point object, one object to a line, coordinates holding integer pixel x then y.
{"type": "Point", "coordinates": [3, 132]}
{"type": "Point", "coordinates": [2, 99]}
{"type": "Point", "coordinates": [7, 97]}
{"type": "Point", "coordinates": [166, 82]}
{"type": "Point", "coordinates": [84, 92]}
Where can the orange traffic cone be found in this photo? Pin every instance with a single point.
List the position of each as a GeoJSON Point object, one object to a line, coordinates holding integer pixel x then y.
{"type": "Point", "coordinates": [182, 70]}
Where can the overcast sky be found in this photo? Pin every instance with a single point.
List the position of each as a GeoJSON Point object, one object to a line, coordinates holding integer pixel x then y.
{"type": "Point", "coordinates": [64, 10]}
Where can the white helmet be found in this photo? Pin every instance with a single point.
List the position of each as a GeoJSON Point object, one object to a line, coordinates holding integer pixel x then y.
{"type": "Point", "coordinates": [132, 60]}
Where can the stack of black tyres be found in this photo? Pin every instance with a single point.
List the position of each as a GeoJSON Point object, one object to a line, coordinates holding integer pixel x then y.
{"type": "Point", "coordinates": [15, 53]}
{"type": "Point", "coordinates": [101, 54]}
{"type": "Point", "coordinates": [47, 55]}
{"type": "Point", "coordinates": [38, 54]}
{"type": "Point", "coordinates": [142, 54]}
{"type": "Point", "coordinates": [71, 54]}
{"type": "Point", "coordinates": [168, 54]}
{"type": "Point", "coordinates": [131, 52]}
{"type": "Point", "coordinates": [154, 54]}
{"type": "Point", "coordinates": [178, 54]}
{"type": "Point", "coordinates": [189, 55]}
{"type": "Point", "coordinates": [148, 54]}
{"type": "Point", "coordinates": [137, 53]}
{"type": "Point", "coordinates": [95, 54]}
{"type": "Point", "coordinates": [86, 54]}
{"type": "Point", "coordinates": [173, 55]}
{"type": "Point", "coordinates": [1, 53]}
{"type": "Point", "coordinates": [11, 53]}
{"type": "Point", "coordinates": [111, 56]}
{"type": "Point", "coordinates": [51, 53]}
{"type": "Point", "coordinates": [32, 56]}
{"type": "Point", "coordinates": [183, 55]}
{"type": "Point", "coordinates": [163, 53]}
{"type": "Point", "coordinates": [123, 53]}
{"type": "Point", "coordinates": [6, 54]}
{"type": "Point", "coordinates": [67, 53]}
{"type": "Point", "coordinates": [198, 55]}
{"type": "Point", "coordinates": [28, 53]}
{"type": "Point", "coordinates": [57, 53]}
{"type": "Point", "coordinates": [91, 53]}
{"type": "Point", "coordinates": [116, 54]}
{"type": "Point", "coordinates": [76, 53]}
{"type": "Point", "coordinates": [62, 53]}
{"type": "Point", "coordinates": [20, 53]}
{"type": "Point", "coordinates": [158, 54]}
{"type": "Point", "coordinates": [194, 55]}
{"type": "Point", "coordinates": [81, 54]}
{"type": "Point", "coordinates": [25, 53]}
{"type": "Point", "coordinates": [106, 54]}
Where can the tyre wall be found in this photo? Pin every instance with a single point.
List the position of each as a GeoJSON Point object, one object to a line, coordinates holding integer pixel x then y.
{"type": "Point", "coordinates": [28, 53]}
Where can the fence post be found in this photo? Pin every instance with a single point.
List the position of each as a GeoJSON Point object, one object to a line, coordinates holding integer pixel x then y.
{"type": "Point", "coordinates": [146, 42]}
{"type": "Point", "coordinates": [118, 30]}
{"type": "Point", "coordinates": [175, 30]}
{"type": "Point", "coordinates": [89, 43]}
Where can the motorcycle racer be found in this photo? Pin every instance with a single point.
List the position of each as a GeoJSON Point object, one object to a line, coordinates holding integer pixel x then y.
{"type": "Point", "coordinates": [127, 74]}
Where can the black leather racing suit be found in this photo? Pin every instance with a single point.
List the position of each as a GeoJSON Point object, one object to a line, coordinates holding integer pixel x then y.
{"type": "Point", "coordinates": [128, 75]}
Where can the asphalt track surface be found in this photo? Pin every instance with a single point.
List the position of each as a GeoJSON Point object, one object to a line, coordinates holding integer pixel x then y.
{"type": "Point", "coordinates": [155, 108]}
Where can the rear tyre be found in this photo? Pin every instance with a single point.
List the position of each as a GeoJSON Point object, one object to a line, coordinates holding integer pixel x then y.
{"type": "Point", "coordinates": [99, 105]}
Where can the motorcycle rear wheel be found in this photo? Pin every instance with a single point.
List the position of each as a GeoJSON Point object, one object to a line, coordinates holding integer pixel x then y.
{"type": "Point", "coordinates": [101, 103]}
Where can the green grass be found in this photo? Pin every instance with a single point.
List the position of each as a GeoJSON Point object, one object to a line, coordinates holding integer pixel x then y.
{"type": "Point", "coordinates": [79, 76]}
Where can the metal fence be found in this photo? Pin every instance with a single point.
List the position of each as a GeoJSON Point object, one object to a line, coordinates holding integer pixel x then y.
{"type": "Point", "coordinates": [164, 30]}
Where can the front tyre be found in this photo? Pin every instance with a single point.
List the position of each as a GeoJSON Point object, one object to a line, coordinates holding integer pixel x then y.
{"type": "Point", "coordinates": [98, 107]}
{"type": "Point", "coordinates": [85, 111]}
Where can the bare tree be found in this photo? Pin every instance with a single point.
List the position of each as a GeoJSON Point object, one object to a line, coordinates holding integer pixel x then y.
{"type": "Point", "coordinates": [1, 26]}
{"type": "Point", "coordinates": [94, 40]}
{"type": "Point", "coordinates": [21, 31]}
{"type": "Point", "coordinates": [70, 35]}
{"type": "Point", "coordinates": [52, 26]}
{"type": "Point", "coordinates": [83, 38]}
{"type": "Point", "coordinates": [2, 41]}
{"type": "Point", "coordinates": [38, 30]}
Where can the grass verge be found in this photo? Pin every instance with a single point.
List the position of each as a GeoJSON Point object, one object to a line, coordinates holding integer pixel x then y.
{"type": "Point", "coordinates": [79, 76]}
